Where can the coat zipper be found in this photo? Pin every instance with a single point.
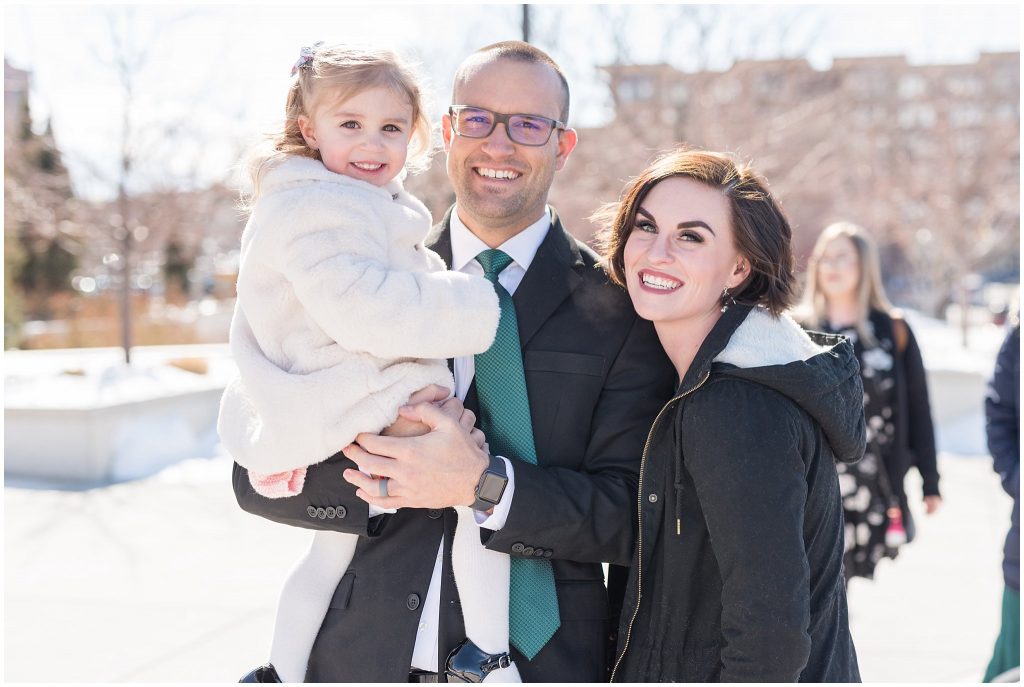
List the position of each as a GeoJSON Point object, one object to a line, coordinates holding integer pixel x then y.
{"type": "Point", "coordinates": [640, 520]}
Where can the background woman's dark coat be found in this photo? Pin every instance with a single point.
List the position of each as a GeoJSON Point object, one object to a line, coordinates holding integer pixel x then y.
{"type": "Point", "coordinates": [915, 432]}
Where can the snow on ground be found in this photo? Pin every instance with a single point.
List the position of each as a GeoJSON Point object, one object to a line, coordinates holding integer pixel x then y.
{"type": "Point", "coordinates": [96, 378]}
{"type": "Point", "coordinates": [942, 346]}
{"type": "Point", "coordinates": [150, 437]}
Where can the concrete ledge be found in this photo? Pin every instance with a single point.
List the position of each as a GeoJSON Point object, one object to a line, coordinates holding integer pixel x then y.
{"type": "Point", "coordinates": [96, 445]}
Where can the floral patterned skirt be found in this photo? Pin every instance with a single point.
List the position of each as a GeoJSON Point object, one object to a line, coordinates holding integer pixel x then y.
{"type": "Point", "coordinates": [866, 507]}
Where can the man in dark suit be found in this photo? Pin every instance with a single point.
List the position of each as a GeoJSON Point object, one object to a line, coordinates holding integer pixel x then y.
{"type": "Point", "coordinates": [595, 378]}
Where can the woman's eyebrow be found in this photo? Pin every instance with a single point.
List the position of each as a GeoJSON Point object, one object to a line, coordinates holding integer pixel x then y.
{"type": "Point", "coordinates": [695, 223]}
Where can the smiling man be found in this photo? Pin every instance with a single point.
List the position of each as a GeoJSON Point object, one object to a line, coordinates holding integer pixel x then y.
{"type": "Point", "coordinates": [565, 397]}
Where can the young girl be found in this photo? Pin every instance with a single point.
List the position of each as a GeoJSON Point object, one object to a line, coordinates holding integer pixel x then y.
{"type": "Point", "coordinates": [343, 314]}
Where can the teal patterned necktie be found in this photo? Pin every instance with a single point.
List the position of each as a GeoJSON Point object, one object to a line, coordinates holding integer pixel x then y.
{"type": "Point", "coordinates": [504, 411]}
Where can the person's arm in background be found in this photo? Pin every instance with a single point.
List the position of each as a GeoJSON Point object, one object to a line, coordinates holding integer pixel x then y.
{"type": "Point", "coordinates": [921, 439]}
{"type": "Point", "coordinates": [1002, 414]}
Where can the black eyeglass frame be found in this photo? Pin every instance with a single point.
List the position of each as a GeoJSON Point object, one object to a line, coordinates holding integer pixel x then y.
{"type": "Point", "coordinates": [500, 118]}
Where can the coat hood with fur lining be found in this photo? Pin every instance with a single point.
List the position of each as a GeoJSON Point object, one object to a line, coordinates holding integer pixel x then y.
{"type": "Point", "coordinates": [818, 372]}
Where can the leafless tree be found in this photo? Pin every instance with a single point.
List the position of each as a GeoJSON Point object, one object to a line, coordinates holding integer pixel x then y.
{"type": "Point", "coordinates": [155, 160]}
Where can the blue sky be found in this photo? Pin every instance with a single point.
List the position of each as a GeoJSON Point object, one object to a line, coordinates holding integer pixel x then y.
{"type": "Point", "coordinates": [215, 75]}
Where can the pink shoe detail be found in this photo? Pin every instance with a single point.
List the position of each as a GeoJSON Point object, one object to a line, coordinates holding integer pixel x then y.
{"type": "Point", "coordinates": [278, 485]}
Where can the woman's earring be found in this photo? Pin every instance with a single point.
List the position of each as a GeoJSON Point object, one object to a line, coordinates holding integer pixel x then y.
{"type": "Point", "coordinates": [727, 299]}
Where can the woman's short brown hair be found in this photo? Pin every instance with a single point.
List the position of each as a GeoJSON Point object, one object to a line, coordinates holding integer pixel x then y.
{"type": "Point", "coordinates": [760, 228]}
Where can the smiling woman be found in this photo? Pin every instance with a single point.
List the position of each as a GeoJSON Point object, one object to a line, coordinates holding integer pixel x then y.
{"type": "Point", "coordinates": [737, 571]}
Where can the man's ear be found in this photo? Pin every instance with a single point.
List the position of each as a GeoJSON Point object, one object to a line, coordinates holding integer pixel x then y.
{"type": "Point", "coordinates": [307, 131]}
{"type": "Point", "coordinates": [446, 131]}
{"type": "Point", "coordinates": [566, 142]}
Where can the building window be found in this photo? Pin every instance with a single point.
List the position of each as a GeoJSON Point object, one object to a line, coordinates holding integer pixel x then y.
{"type": "Point", "coordinates": [964, 86]}
{"type": "Point", "coordinates": [769, 85]}
{"type": "Point", "coordinates": [912, 86]}
{"type": "Point", "coordinates": [1007, 111]}
{"type": "Point", "coordinates": [634, 89]}
{"type": "Point", "coordinates": [917, 117]}
{"type": "Point", "coordinates": [680, 93]}
{"type": "Point", "coordinates": [726, 90]}
{"type": "Point", "coordinates": [966, 116]}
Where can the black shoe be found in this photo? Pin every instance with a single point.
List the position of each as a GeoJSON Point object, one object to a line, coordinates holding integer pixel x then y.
{"type": "Point", "coordinates": [265, 673]}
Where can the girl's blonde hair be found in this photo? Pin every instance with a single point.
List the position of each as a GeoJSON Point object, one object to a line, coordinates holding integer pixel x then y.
{"type": "Point", "coordinates": [340, 72]}
{"type": "Point", "coordinates": [813, 309]}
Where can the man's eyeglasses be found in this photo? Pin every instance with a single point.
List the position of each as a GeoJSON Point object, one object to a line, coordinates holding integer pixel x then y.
{"type": "Point", "coordinates": [524, 129]}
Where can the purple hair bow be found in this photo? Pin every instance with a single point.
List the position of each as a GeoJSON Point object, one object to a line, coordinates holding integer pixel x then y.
{"type": "Point", "coordinates": [305, 57]}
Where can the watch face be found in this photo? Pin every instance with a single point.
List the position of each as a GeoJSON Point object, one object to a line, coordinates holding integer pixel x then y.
{"type": "Point", "coordinates": [492, 487]}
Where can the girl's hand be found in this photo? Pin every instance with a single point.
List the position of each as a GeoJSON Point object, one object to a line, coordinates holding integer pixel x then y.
{"type": "Point", "coordinates": [403, 427]}
{"type": "Point", "coordinates": [467, 419]}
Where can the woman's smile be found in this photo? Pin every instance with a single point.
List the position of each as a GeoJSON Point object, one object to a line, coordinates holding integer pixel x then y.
{"type": "Point", "coordinates": [658, 282]}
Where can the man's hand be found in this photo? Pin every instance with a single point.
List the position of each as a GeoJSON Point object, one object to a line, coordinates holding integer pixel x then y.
{"type": "Point", "coordinates": [436, 470]}
{"type": "Point", "coordinates": [932, 503]}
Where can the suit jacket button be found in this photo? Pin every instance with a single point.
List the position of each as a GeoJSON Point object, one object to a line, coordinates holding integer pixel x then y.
{"type": "Point", "coordinates": [528, 551]}
{"type": "Point", "coordinates": [434, 513]}
{"type": "Point", "coordinates": [547, 553]}
{"type": "Point", "coordinates": [311, 511]}
{"type": "Point", "coordinates": [538, 553]}
{"type": "Point", "coordinates": [518, 547]}
{"type": "Point", "coordinates": [412, 602]}
{"type": "Point", "coordinates": [321, 513]}
{"type": "Point", "coordinates": [341, 511]}
{"type": "Point", "coordinates": [331, 512]}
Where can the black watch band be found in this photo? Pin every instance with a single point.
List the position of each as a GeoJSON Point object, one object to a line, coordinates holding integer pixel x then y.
{"type": "Point", "coordinates": [491, 486]}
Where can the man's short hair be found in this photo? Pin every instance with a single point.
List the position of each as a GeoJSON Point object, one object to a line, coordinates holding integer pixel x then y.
{"type": "Point", "coordinates": [517, 51]}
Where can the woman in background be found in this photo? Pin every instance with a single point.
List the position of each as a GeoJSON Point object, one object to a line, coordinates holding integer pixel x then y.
{"type": "Point", "coordinates": [844, 295]}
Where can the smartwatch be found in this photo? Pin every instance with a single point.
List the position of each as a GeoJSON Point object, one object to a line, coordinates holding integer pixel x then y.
{"type": "Point", "coordinates": [491, 486]}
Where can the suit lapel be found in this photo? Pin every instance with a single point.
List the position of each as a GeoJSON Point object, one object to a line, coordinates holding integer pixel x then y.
{"type": "Point", "coordinates": [553, 275]}
{"type": "Point", "coordinates": [439, 239]}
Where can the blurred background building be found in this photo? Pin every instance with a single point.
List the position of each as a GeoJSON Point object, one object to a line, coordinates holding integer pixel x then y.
{"type": "Point", "coordinates": [925, 156]}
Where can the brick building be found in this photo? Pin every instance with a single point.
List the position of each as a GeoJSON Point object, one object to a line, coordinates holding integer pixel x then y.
{"type": "Point", "coordinates": [925, 156]}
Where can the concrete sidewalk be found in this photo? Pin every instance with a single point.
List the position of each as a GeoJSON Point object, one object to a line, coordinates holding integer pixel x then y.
{"type": "Point", "coordinates": [167, 580]}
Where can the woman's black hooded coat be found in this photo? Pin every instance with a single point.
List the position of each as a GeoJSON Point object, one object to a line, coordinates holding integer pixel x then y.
{"type": "Point", "coordinates": [737, 573]}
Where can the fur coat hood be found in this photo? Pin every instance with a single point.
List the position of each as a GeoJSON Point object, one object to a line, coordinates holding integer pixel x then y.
{"type": "Point", "coordinates": [818, 372]}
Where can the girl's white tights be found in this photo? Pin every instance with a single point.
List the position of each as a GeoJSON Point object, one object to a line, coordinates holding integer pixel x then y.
{"type": "Point", "coordinates": [304, 601]}
{"type": "Point", "coordinates": [482, 578]}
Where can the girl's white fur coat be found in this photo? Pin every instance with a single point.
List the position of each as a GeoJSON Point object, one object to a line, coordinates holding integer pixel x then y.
{"type": "Point", "coordinates": [342, 313]}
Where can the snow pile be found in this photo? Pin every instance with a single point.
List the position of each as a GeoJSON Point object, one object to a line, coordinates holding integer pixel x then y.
{"type": "Point", "coordinates": [151, 443]}
{"type": "Point", "coordinates": [942, 346]}
{"type": "Point", "coordinates": [85, 379]}
{"type": "Point", "coordinates": [99, 388]}
{"type": "Point", "coordinates": [152, 430]}
{"type": "Point", "coordinates": [945, 357]}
